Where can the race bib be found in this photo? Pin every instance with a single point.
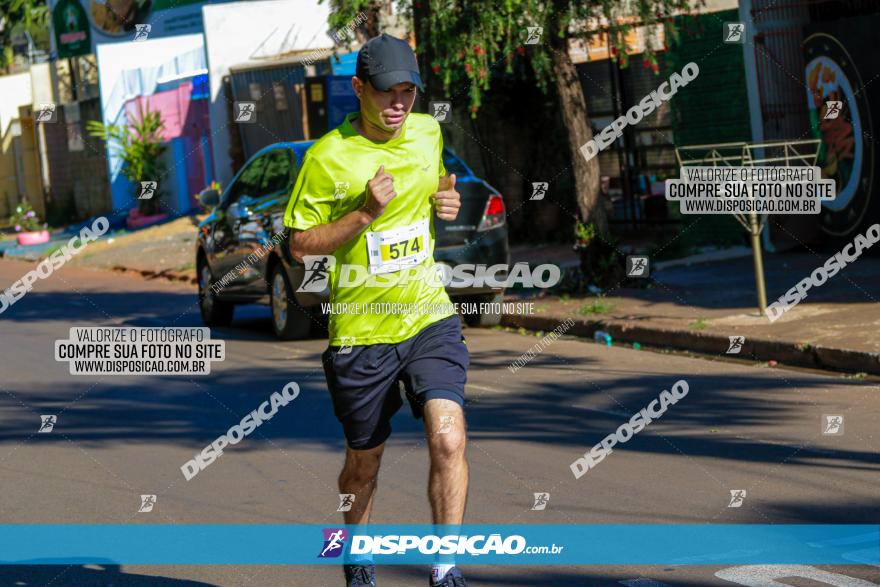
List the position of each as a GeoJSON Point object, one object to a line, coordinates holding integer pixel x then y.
{"type": "Point", "coordinates": [399, 248]}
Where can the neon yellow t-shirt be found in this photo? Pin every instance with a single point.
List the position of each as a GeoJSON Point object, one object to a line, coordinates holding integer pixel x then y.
{"type": "Point", "coordinates": [332, 183]}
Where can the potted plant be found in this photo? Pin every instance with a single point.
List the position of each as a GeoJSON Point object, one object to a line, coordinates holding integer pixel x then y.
{"type": "Point", "coordinates": [141, 148]}
{"type": "Point", "coordinates": [599, 260]}
{"type": "Point", "coordinates": [27, 225]}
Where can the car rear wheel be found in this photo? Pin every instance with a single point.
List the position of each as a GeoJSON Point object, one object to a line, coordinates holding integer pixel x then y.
{"type": "Point", "coordinates": [215, 312]}
{"type": "Point", "coordinates": [289, 320]}
{"type": "Point", "coordinates": [490, 318]}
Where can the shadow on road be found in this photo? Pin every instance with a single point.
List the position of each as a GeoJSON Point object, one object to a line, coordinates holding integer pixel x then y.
{"type": "Point", "coordinates": [102, 575]}
{"type": "Point", "coordinates": [549, 402]}
{"type": "Point", "coordinates": [93, 575]}
{"type": "Point", "coordinates": [568, 576]}
{"type": "Point", "coordinates": [569, 413]}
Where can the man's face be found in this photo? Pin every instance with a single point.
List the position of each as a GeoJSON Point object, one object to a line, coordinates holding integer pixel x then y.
{"type": "Point", "coordinates": [388, 109]}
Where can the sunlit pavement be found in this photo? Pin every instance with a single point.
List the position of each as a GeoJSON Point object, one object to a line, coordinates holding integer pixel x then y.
{"type": "Point", "coordinates": [739, 427]}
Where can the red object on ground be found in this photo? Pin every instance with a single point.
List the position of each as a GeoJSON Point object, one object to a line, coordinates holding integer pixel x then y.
{"type": "Point", "coordinates": [137, 220]}
{"type": "Point", "coordinates": [32, 238]}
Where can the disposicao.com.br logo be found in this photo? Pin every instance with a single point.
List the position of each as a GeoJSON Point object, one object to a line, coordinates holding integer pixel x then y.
{"type": "Point", "coordinates": [430, 544]}
{"type": "Point", "coordinates": [334, 542]}
{"type": "Point", "coordinates": [318, 268]}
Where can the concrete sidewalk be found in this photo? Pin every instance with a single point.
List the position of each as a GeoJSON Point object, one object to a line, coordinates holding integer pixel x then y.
{"type": "Point", "coordinates": [164, 250]}
{"type": "Point", "coordinates": [697, 307]}
{"type": "Point", "coordinates": [10, 249]}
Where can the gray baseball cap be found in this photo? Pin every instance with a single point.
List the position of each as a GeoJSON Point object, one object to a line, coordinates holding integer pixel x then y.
{"type": "Point", "coordinates": [386, 61]}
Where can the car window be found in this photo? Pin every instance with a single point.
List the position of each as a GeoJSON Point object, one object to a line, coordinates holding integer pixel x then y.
{"type": "Point", "coordinates": [277, 175]}
{"type": "Point", "coordinates": [248, 183]}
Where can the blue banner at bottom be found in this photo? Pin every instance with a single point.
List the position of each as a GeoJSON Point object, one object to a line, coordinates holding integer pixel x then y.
{"type": "Point", "coordinates": [490, 544]}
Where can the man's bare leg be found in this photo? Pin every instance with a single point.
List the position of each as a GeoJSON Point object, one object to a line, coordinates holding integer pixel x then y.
{"type": "Point", "coordinates": [359, 476]}
{"type": "Point", "coordinates": [448, 481]}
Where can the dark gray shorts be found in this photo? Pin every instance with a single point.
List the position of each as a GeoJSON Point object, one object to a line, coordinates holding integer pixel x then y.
{"type": "Point", "coordinates": [365, 383]}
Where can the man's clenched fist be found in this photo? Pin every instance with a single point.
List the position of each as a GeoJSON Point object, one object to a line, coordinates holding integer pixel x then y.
{"type": "Point", "coordinates": [447, 201]}
{"type": "Point", "coordinates": [380, 191]}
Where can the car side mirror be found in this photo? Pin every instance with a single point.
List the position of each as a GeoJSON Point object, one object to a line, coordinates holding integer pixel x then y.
{"type": "Point", "coordinates": [209, 197]}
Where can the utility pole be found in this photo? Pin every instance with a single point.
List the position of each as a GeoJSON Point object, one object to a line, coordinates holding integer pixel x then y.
{"type": "Point", "coordinates": [72, 64]}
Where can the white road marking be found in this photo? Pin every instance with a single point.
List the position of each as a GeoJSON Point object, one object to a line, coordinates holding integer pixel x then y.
{"type": "Point", "coordinates": [764, 575]}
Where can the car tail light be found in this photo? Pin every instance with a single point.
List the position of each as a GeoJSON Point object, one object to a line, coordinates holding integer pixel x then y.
{"type": "Point", "coordinates": [493, 216]}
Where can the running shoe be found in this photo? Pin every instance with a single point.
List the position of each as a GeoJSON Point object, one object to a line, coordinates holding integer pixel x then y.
{"type": "Point", "coordinates": [453, 578]}
{"type": "Point", "coordinates": [360, 575]}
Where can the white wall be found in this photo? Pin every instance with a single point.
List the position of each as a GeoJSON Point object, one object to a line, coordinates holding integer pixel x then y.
{"type": "Point", "coordinates": [144, 56]}
{"type": "Point", "coordinates": [42, 91]}
{"type": "Point", "coordinates": [240, 32]}
{"type": "Point", "coordinates": [15, 90]}
{"type": "Point", "coordinates": [129, 69]}
{"type": "Point", "coordinates": [719, 5]}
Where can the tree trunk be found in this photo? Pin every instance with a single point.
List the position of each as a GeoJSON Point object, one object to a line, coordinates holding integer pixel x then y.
{"type": "Point", "coordinates": [573, 106]}
{"type": "Point", "coordinates": [424, 52]}
{"type": "Point", "coordinates": [371, 27]}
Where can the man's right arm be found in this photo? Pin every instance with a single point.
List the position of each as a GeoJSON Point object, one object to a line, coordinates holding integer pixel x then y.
{"type": "Point", "coordinates": [326, 238]}
{"type": "Point", "coordinates": [323, 239]}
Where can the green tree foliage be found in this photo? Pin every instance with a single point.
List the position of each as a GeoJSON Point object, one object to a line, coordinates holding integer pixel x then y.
{"type": "Point", "coordinates": [17, 16]}
{"type": "Point", "coordinates": [467, 42]}
{"type": "Point", "coordinates": [140, 146]}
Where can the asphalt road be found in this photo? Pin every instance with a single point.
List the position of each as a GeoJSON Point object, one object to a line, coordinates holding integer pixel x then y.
{"type": "Point", "coordinates": [740, 427]}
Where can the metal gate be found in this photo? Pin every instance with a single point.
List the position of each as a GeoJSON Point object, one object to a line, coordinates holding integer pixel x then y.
{"type": "Point", "coordinates": [278, 93]}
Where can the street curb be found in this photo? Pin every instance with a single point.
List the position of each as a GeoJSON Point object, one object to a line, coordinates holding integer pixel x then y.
{"type": "Point", "coordinates": [789, 353]}
{"type": "Point", "coordinates": [150, 274]}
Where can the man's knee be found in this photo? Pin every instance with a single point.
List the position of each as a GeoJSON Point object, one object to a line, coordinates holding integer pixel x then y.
{"type": "Point", "coordinates": [447, 446]}
{"type": "Point", "coordinates": [362, 465]}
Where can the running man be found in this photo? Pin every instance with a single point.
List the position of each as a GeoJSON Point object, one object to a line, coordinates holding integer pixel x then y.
{"type": "Point", "coordinates": [392, 159]}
